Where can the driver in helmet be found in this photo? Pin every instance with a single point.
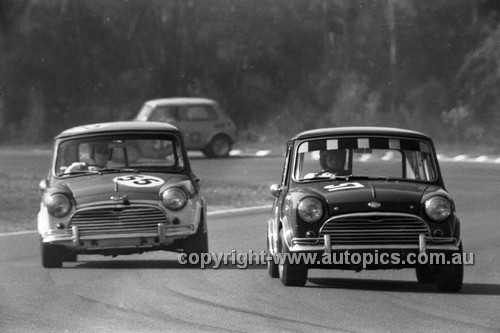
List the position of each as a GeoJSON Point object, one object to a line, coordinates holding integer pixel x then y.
{"type": "Point", "coordinates": [99, 157]}
{"type": "Point", "coordinates": [333, 161]}
{"type": "Point", "coordinates": [332, 164]}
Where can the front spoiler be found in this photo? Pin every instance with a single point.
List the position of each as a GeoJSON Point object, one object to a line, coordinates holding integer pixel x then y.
{"type": "Point", "coordinates": [165, 235]}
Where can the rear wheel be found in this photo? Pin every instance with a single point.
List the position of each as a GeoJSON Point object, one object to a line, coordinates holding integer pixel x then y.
{"type": "Point", "coordinates": [220, 146]}
{"type": "Point", "coordinates": [290, 274]}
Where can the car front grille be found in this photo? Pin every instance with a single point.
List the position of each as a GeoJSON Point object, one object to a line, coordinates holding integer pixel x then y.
{"type": "Point", "coordinates": [366, 229]}
{"type": "Point", "coordinates": [108, 220]}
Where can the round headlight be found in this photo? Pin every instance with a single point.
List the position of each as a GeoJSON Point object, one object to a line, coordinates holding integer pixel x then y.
{"type": "Point", "coordinates": [438, 208]}
{"type": "Point", "coordinates": [174, 198]}
{"type": "Point", "coordinates": [58, 205]}
{"type": "Point", "coordinates": [310, 210]}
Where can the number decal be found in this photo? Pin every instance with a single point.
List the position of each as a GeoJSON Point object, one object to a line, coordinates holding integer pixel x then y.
{"type": "Point", "coordinates": [343, 186]}
{"type": "Point", "coordinates": [139, 181]}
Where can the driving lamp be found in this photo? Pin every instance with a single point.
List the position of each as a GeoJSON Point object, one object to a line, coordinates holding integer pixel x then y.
{"type": "Point", "coordinates": [438, 208]}
{"type": "Point", "coordinates": [174, 198]}
{"type": "Point", "coordinates": [58, 205]}
{"type": "Point", "coordinates": [310, 210]}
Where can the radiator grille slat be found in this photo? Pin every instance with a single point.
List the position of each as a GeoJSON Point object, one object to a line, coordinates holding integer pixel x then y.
{"type": "Point", "coordinates": [375, 229]}
{"type": "Point", "coordinates": [101, 221]}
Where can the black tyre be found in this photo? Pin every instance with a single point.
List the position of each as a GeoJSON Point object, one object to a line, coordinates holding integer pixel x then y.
{"type": "Point", "coordinates": [70, 256]}
{"type": "Point", "coordinates": [197, 243]}
{"type": "Point", "coordinates": [52, 256]}
{"type": "Point", "coordinates": [449, 277]}
{"type": "Point", "coordinates": [272, 267]}
{"type": "Point", "coordinates": [290, 274]}
{"type": "Point", "coordinates": [220, 146]}
{"type": "Point", "coordinates": [425, 274]}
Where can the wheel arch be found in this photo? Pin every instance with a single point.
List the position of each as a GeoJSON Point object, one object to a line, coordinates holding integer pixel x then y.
{"type": "Point", "coordinates": [273, 235]}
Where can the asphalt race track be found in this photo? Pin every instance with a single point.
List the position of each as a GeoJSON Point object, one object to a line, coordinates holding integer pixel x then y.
{"type": "Point", "coordinates": [154, 293]}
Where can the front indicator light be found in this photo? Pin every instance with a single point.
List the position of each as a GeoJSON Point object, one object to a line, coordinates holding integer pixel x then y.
{"type": "Point", "coordinates": [58, 205]}
{"type": "Point", "coordinates": [310, 210]}
{"type": "Point", "coordinates": [438, 208]}
{"type": "Point", "coordinates": [174, 198]}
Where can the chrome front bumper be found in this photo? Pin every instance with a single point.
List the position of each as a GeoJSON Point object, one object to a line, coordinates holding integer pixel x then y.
{"type": "Point", "coordinates": [425, 244]}
{"type": "Point", "coordinates": [165, 235]}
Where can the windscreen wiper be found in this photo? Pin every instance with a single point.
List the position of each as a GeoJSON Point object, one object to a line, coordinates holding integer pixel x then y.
{"type": "Point", "coordinates": [76, 173]}
{"type": "Point", "coordinates": [369, 177]}
{"type": "Point", "coordinates": [115, 170]}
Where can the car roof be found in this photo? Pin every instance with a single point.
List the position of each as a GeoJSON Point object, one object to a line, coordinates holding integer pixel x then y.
{"type": "Point", "coordinates": [119, 126]}
{"type": "Point", "coordinates": [360, 130]}
{"type": "Point", "coordinates": [179, 101]}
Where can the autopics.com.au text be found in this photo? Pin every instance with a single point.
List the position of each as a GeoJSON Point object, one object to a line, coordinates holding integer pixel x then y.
{"type": "Point", "coordinates": [244, 259]}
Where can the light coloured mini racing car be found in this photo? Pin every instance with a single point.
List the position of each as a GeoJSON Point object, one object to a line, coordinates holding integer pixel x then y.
{"type": "Point", "coordinates": [205, 125]}
{"type": "Point", "coordinates": [120, 188]}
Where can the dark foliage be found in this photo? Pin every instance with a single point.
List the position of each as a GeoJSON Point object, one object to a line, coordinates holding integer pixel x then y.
{"type": "Point", "coordinates": [275, 66]}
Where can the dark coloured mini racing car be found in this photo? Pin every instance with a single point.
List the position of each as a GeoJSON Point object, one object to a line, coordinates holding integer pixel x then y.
{"type": "Point", "coordinates": [120, 188]}
{"type": "Point", "coordinates": [368, 192]}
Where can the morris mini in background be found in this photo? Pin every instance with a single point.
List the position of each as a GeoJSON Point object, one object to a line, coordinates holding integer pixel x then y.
{"type": "Point", "coordinates": [365, 190]}
{"type": "Point", "coordinates": [205, 125]}
{"type": "Point", "coordinates": [120, 188]}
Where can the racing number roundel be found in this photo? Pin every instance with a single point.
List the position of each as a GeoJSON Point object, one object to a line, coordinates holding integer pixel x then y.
{"type": "Point", "coordinates": [139, 181]}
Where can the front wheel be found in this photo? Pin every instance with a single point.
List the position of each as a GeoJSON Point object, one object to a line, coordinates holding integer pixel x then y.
{"type": "Point", "coordinates": [425, 274]}
{"type": "Point", "coordinates": [290, 274]}
{"type": "Point", "coordinates": [197, 243]}
{"type": "Point", "coordinates": [52, 255]}
{"type": "Point", "coordinates": [449, 277]}
{"type": "Point", "coordinates": [70, 256]}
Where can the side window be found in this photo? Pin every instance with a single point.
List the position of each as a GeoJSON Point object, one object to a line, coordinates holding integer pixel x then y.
{"type": "Point", "coordinates": [200, 113]}
{"type": "Point", "coordinates": [212, 114]}
{"type": "Point", "coordinates": [165, 114]}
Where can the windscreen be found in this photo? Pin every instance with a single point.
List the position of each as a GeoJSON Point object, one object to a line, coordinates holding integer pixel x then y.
{"type": "Point", "coordinates": [118, 151]}
{"type": "Point", "coordinates": [372, 157]}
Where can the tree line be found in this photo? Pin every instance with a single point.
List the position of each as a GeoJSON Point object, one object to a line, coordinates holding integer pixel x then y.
{"type": "Point", "coordinates": [276, 66]}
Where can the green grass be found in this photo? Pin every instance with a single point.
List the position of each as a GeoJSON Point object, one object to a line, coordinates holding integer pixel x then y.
{"type": "Point", "coordinates": [19, 200]}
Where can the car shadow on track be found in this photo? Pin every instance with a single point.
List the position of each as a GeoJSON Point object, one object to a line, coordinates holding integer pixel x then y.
{"type": "Point", "coordinates": [400, 286]}
{"type": "Point", "coordinates": [153, 264]}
